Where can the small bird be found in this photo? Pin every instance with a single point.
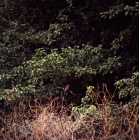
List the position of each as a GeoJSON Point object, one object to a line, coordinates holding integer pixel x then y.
{"type": "Point", "coordinates": [66, 87]}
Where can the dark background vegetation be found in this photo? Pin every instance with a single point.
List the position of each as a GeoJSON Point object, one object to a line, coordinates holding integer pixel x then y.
{"type": "Point", "coordinates": [45, 44]}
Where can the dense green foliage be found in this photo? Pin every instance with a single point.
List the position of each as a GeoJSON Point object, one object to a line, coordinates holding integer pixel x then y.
{"type": "Point", "coordinates": [47, 43]}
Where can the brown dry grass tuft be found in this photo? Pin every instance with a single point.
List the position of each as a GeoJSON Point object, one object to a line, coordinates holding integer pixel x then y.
{"type": "Point", "coordinates": [43, 122]}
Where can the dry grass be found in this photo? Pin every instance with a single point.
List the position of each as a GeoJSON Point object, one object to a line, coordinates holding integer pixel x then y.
{"type": "Point", "coordinates": [37, 122]}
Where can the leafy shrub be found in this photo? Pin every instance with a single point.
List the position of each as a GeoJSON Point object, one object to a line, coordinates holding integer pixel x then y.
{"type": "Point", "coordinates": [88, 42]}
{"type": "Point", "coordinates": [129, 86]}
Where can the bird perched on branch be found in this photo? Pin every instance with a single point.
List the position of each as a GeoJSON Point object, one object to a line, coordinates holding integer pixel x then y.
{"type": "Point", "coordinates": [66, 89]}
